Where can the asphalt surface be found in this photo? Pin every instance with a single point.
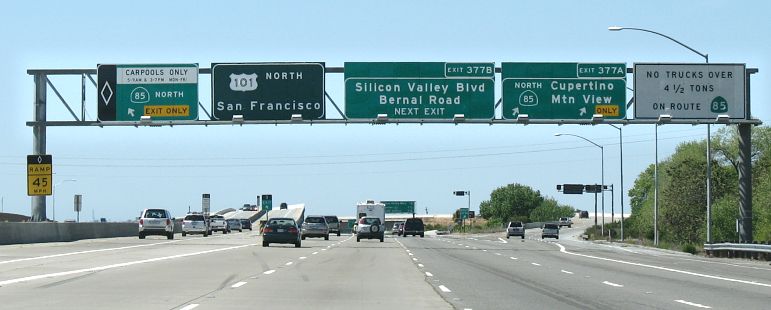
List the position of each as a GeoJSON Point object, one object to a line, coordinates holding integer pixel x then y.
{"type": "Point", "coordinates": [485, 271]}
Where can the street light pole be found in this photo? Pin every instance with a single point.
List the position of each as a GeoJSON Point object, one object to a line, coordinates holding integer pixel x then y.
{"type": "Point", "coordinates": [709, 148]}
{"type": "Point", "coordinates": [621, 161]}
{"type": "Point", "coordinates": [656, 191]}
{"type": "Point", "coordinates": [602, 186]}
{"type": "Point", "coordinates": [53, 194]}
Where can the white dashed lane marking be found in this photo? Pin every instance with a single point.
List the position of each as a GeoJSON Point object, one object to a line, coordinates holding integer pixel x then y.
{"type": "Point", "coordinates": [420, 265]}
{"type": "Point", "coordinates": [428, 274]}
{"type": "Point", "coordinates": [314, 253]}
{"type": "Point", "coordinates": [514, 258]}
{"type": "Point", "coordinates": [189, 307]}
{"type": "Point", "coordinates": [289, 263]}
{"type": "Point", "coordinates": [239, 284]}
{"type": "Point", "coordinates": [565, 271]}
{"type": "Point", "coordinates": [303, 257]}
{"type": "Point", "coordinates": [535, 264]}
{"type": "Point", "coordinates": [444, 289]}
{"type": "Point", "coordinates": [612, 284]}
{"type": "Point", "coordinates": [692, 304]}
{"type": "Point", "coordinates": [269, 272]}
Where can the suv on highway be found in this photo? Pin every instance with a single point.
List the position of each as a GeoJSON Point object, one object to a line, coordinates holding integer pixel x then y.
{"type": "Point", "coordinates": [315, 226]}
{"type": "Point", "coordinates": [246, 224]}
{"type": "Point", "coordinates": [515, 229]}
{"type": "Point", "coordinates": [370, 228]}
{"type": "Point", "coordinates": [565, 221]}
{"type": "Point", "coordinates": [195, 223]}
{"type": "Point", "coordinates": [334, 224]}
{"type": "Point", "coordinates": [550, 230]}
{"type": "Point", "coordinates": [218, 223]}
{"type": "Point", "coordinates": [156, 222]}
{"type": "Point", "coordinates": [414, 227]}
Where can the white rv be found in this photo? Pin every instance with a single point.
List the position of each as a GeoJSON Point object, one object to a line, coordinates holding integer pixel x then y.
{"type": "Point", "coordinates": [370, 229]}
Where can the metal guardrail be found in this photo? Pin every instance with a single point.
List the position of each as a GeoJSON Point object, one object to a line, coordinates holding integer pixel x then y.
{"type": "Point", "coordinates": [739, 247]}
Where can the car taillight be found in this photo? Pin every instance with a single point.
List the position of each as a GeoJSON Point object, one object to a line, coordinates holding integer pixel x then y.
{"type": "Point", "coordinates": [168, 222]}
{"type": "Point", "coordinates": [293, 230]}
{"type": "Point", "coordinates": [267, 230]}
{"type": "Point", "coordinates": [141, 222]}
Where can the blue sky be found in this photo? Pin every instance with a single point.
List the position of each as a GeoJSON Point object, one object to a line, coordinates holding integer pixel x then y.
{"type": "Point", "coordinates": [119, 171]}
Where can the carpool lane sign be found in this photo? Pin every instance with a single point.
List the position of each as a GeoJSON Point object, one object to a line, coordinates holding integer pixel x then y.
{"type": "Point", "coordinates": [564, 90]}
{"type": "Point", "coordinates": [689, 91]}
{"type": "Point", "coordinates": [162, 91]}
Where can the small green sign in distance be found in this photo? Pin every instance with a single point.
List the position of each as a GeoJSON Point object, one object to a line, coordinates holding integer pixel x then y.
{"type": "Point", "coordinates": [399, 206]}
{"type": "Point", "coordinates": [419, 90]}
{"type": "Point", "coordinates": [564, 90]}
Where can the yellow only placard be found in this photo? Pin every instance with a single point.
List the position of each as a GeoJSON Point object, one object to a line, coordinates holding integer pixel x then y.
{"type": "Point", "coordinates": [167, 110]}
{"type": "Point", "coordinates": [607, 110]}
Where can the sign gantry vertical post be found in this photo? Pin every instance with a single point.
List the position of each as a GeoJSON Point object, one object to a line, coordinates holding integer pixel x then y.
{"type": "Point", "coordinates": [39, 141]}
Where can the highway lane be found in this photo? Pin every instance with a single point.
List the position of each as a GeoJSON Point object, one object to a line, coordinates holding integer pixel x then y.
{"type": "Point", "coordinates": [220, 271]}
{"type": "Point", "coordinates": [483, 272]}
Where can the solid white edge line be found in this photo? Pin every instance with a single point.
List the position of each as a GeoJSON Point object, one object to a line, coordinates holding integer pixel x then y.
{"type": "Point", "coordinates": [269, 271]}
{"type": "Point", "coordinates": [612, 284]}
{"type": "Point", "coordinates": [237, 285]}
{"type": "Point", "coordinates": [189, 307]}
{"type": "Point", "coordinates": [86, 252]}
{"type": "Point", "coordinates": [100, 268]}
{"type": "Point", "coordinates": [444, 289]}
{"type": "Point", "coordinates": [428, 274]}
{"type": "Point", "coordinates": [563, 250]}
{"type": "Point", "coordinates": [693, 304]}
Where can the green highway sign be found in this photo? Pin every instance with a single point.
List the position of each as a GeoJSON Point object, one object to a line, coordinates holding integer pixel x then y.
{"type": "Point", "coordinates": [399, 206]}
{"type": "Point", "coordinates": [268, 91]}
{"type": "Point", "coordinates": [419, 90]}
{"type": "Point", "coordinates": [464, 213]}
{"type": "Point", "coordinates": [162, 91]}
{"type": "Point", "coordinates": [267, 202]}
{"type": "Point", "coordinates": [564, 90]}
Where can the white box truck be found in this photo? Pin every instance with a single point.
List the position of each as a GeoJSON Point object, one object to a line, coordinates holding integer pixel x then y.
{"type": "Point", "coordinates": [370, 220]}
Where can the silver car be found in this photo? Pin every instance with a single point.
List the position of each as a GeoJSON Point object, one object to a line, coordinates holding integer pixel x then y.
{"type": "Point", "coordinates": [515, 229]}
{"type": "Point", "coordinates": [217, 223]}
{"type": "Point", "coordinates": [334, 224]}
{"type": "Point", "coordinates": [315, 226]}
{"type": "Point", "coordinates": [156, 222]}
{"type": "Point", "coordinates": [195, 224]}
{"type": "Point", "coordinates": [550, 230]}
{"type": "Point", "coordinates": [234, 224]}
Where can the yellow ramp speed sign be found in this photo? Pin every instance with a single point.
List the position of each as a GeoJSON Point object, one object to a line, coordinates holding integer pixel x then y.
{"type": "Point", "coordinates": [39, 175]}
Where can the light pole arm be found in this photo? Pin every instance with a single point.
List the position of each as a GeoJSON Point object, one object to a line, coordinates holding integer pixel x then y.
{"type": "Point", "coordinates": [585, 139]}
{"type": "Point", "coordinates": [705, 56]}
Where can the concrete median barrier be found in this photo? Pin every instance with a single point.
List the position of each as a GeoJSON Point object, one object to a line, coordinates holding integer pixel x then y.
{"type": "Point", "coordinates": [20, 233]}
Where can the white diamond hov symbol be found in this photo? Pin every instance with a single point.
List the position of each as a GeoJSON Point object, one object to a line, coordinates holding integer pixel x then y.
{"type": "Point", "coordinates": [106, 93]}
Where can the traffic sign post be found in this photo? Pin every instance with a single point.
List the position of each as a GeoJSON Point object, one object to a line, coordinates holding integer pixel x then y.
{"type": "Point", "coordinates": [206, 203]}
{"type": "Point", "coordinates": [419, 90]}
{"type": "Point", "coordinates": [564, 90]}
{"type": "Point", "coordinates": [268, 91]}
{"type": "Point", "coordinates": [39, 175]}
{"type": "Point", "coordinates": [78, 203]}
{"type": "Point", "coordinates": [161, 91]}
{"type": "Point", "coordinates": [689, 91]}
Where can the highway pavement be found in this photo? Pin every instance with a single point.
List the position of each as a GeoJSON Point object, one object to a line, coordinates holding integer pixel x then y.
{"type": "Point", "coordinates": [481, 271]}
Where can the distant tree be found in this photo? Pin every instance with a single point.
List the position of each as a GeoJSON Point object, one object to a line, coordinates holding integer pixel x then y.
{"type": "Point", "coordinates": [550, 210]}
{"type": "Point", "coordinates": [512, 202]}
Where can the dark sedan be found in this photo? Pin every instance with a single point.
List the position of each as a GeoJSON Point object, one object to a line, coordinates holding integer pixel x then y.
{"type": "Point", "coordinates": [246, 224]}
{"type": "Point", "coordinates": [281, 230]}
